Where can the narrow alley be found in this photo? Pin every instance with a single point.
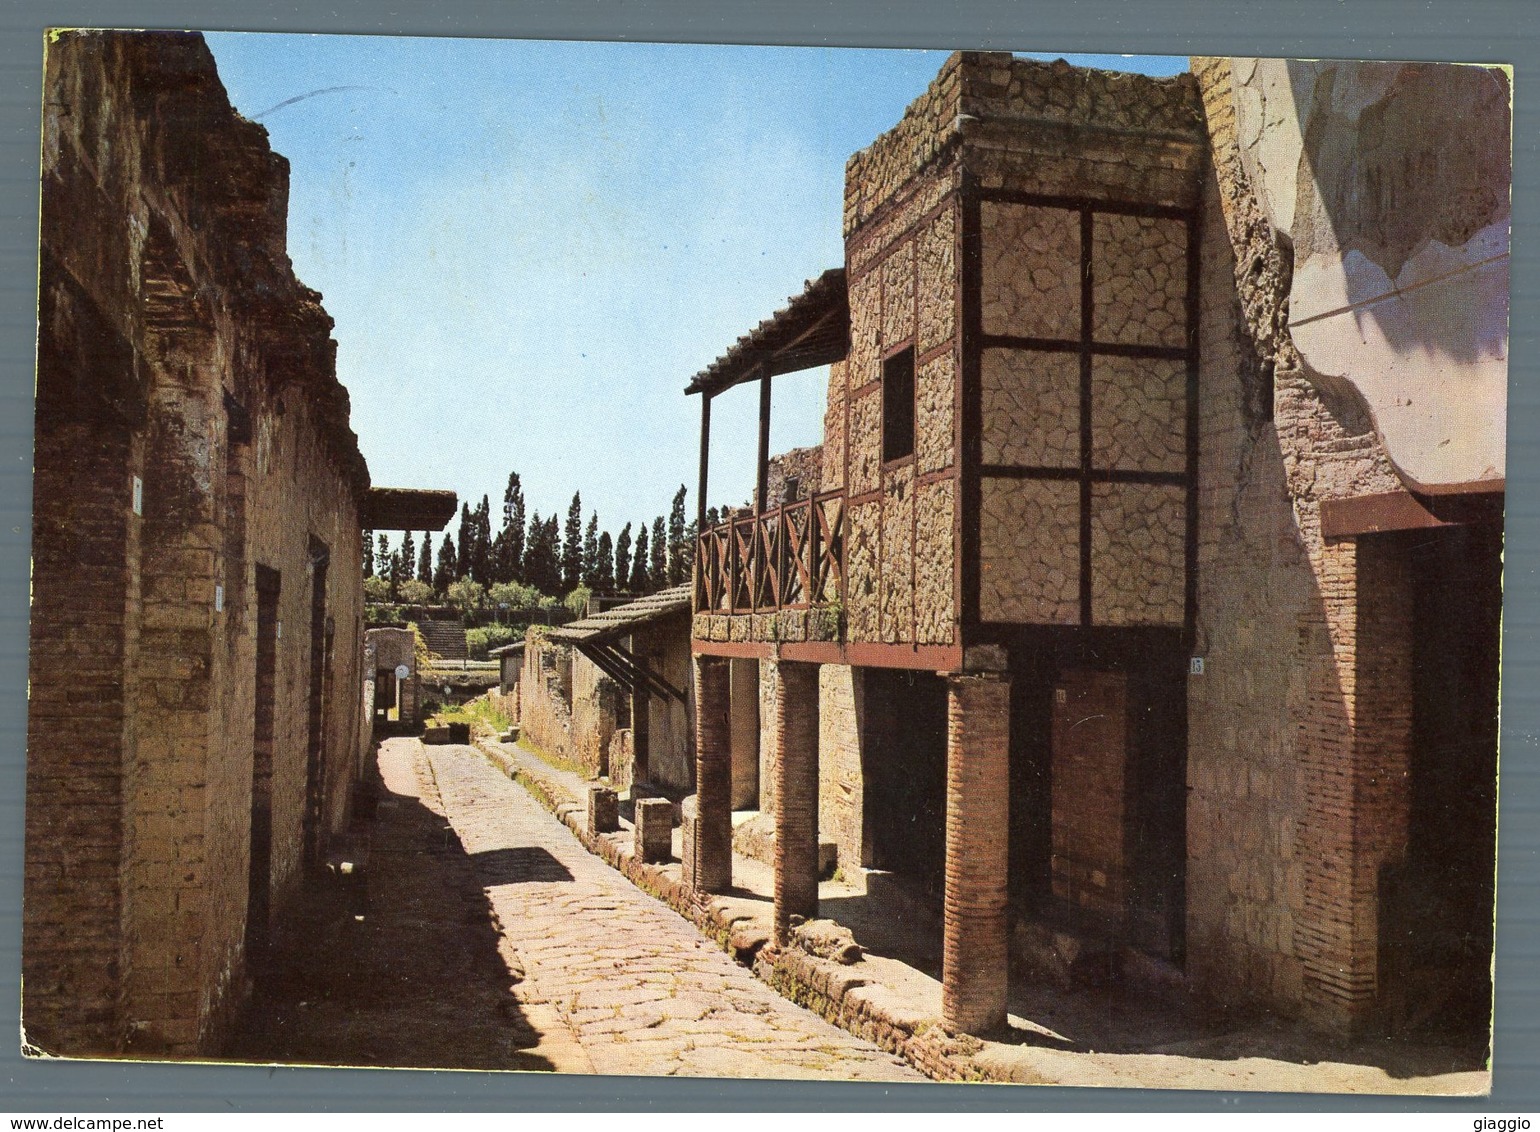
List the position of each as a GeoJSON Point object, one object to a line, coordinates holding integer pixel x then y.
{"type": "Point", "coordinates": [491, 938]}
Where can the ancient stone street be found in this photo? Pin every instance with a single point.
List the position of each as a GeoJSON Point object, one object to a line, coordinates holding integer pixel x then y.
{"type": "Point", "coordinates": [641, 988]}
{"type": "Point", "coordinates": [492, 939]}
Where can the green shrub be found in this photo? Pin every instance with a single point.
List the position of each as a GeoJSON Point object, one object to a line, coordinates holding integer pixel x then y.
{"type": "Point", "coordinates": [466, 594]}
{"type": "Point", "coordinates": [414, 592]}
{"type": "Point", "coordinates": [479, 641]}
{"type": "Point", "coordinates": [515, 595]}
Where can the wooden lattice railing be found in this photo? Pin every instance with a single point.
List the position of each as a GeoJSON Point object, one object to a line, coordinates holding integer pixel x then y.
{"type": "Point", "coordinates": [791, 557]}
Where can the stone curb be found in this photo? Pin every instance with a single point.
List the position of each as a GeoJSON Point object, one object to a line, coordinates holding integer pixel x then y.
{"type": "Point", "coordinates": [834, 992]}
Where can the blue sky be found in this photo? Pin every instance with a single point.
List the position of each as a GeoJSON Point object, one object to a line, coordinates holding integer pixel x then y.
{"type": "Point", "coordinates": [530, 247]}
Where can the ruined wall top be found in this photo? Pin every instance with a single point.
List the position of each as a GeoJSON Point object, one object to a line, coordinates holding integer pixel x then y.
{"type": "Point", "coordinates": [1387, 185]}
{"type": "Point", "coordinates": [392, 646]}
{"type": "Point", "coordinates": [975, 90]}
{"type": "Point", "coordinates": [191, 208]}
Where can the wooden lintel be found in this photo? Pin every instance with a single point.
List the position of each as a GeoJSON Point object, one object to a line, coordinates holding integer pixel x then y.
{"type": "Point", "coordinates": [919, 658]}
{"type": "Point", "coordinates": [1375, 514]}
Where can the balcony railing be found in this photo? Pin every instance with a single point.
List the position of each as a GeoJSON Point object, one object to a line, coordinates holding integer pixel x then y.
{"type": "Point", "coordinates": [791, 557]}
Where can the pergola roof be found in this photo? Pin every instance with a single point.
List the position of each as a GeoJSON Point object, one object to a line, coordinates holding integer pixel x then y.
{"type": "Point", "coordinates": [813, 329]}
{"type": "Point", "coordinates": [624, 619]}
{"type": "Point", "coordinates": [597, 638]}
{"type": "Point", "coordinates": [407, 509]}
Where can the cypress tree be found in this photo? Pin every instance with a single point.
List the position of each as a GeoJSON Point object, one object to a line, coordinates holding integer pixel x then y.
{"type": "Point", "coordinates": [550, 538]}
{"type": "Point", "coordinates": [513, 526]}
{"type": "Point", "coordinates": [572, 546]}
{"type": "Point", "coordinates": [530, 563]}
{"type": "Point", "coordinates": [591, 552]}
{"type": "Point", "coordinates": [425, 563]}
{"type": "Point", "coordinates": [681, 549]}
{"type": "Point", "coordinates": [447, 561]}
{"type": "Point", "coordinates": [623, 559]}
{"type": "Point", "coordinates": [368, 555]}
{"type": "Point", "coordinates": [640, 582]}
{"type": "Point", "coordinates": [463, 558]}
{"type": "Point", "coordinates": [657, 563]}
{"type": "Point", "coordinates": [382, 556]}
{"type": "Point", "coordinates": [408, 556]}
{"type": "Point", "coordinates": [604, 567]}
{"type": "Point", "coordinates": [481, 545]}
{"type": "Point", "coordinates": [396, 573]}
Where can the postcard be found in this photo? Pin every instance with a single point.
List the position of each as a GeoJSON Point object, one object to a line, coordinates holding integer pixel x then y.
{"type": "Point", "coordinates": [862, 565]}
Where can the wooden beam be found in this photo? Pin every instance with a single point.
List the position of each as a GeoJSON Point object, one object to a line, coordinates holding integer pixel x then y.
{"type": "Point", "coordinates": [918, 658]}
{"type": "Point", "coordinates": [705, 462]}
{"type": "Point", "coordinates": [762, 479]}
{"type": "Point", "coordinates": [1373, 514]}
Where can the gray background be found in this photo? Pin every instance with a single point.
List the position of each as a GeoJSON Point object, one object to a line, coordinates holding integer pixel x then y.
{"type": "Point", "coordinates": [1474, 31]}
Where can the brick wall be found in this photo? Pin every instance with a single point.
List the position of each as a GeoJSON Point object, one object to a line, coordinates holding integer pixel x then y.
{"type": "Point", "coordinates": [176, 348]}
{"type": "Point", "coordinates": [1288, 813]}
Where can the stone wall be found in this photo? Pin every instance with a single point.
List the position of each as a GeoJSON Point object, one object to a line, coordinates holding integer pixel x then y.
{"type": "Point", "coordinates": [841, 786]}
{"type": "Point", "coordinates": [1035, 327]}
{"type": "Point", "coordinates": [392, 648]}
{"type": "Point", "coordinates": [670, 726]}
{"type": "Point", "coordinates": [1014, 106]}
{"type": "Point", "coordinates": [190, 429]}
{"type": "Point", "coordinates": [991, 129]}
{"type": "Point", "coordinates": [1390, 183]}
{"type": "Point", "coordinates": [1279, 835]}
{"type": "Point", "coordinates": [901, 531]}
{"type": "Point", "coordinates": [598, 703]}
{"type": "Point", "coordinates": [802, 465]}
{"type": "Point", "coordinates": [545, 695]}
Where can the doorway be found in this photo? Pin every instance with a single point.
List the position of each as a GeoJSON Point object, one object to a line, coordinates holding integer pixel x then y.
{"type": "Point", "coordinates": [259, 883]}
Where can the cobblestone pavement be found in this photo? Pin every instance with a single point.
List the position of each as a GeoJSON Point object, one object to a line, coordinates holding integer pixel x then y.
{"type": "Point", "coordinates": [641, 988]}
{"type": "Point", "coordinates": [408, 972]}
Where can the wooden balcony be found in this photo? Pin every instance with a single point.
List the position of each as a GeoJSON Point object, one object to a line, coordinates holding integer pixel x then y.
{"type": "Point", "coordinates": [789, 557]}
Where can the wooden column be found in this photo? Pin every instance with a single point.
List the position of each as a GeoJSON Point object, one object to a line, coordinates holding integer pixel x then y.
{"type": "Point", "coordinates": [705, 462]}
{"type": "Point", "coordinates": [974, 965]}
{"type": "Point", "coordinates": [761, 482]}
{"type": "Point", "coordinates": [796, 815]}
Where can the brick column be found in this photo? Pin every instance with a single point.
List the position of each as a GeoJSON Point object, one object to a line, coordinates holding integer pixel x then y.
{"type": "Point", "coordinates": [974, 960]}
{"type": "Point", "coordinates": [796, 773]}
{"type": "Point", "coordinates": [1355, 758]}
{"type": "Point", "coordinates": [713, 865]}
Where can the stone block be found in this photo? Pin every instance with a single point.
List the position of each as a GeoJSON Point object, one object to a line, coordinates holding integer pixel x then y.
{"type": "Point", "coordinates": [689, 823]}
{"type": "Point", "coordinates": [603, 810]}
{"type": "Point", "coordinates": [654, 830]}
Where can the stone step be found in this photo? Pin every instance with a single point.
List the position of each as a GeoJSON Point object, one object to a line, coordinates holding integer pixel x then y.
{"type": "Point", "coordinates": [446, 638]}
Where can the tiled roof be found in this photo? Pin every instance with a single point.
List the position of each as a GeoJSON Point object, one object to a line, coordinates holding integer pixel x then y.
{"type": "Point", "coordinates": [813, 329]}
{"type": "Point", "coordinates": [624, 619]}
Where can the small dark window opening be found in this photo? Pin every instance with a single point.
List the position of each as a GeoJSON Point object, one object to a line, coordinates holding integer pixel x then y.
{"type": "Point", "coordinates": [898, 405]}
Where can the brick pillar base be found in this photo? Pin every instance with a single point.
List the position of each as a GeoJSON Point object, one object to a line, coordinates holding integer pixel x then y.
{"type": "Point", "coordinates": [654, 829]}
{"type": "Point", "coordinates": [974, 961]}
{"type": "Point", "coordinates": [713, 865]}
{"type": "Point", "coordinates": [603, 810]}
{"type": "Point", "coordinates": [796, 819]}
